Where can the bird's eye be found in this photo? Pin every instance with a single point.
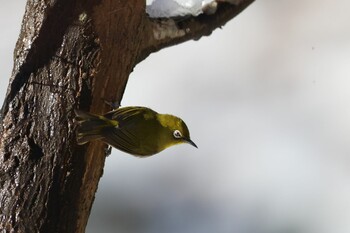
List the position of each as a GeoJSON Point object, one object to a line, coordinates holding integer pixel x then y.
{"type": "Point", "coordinates": [177, 134]}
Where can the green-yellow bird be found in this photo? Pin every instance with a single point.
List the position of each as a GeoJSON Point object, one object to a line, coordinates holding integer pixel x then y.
{"type": "Point", "coordinates": [138, 131]}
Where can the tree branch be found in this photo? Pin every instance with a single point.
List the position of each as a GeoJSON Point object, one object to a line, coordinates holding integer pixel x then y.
{"type": "Point", "coordinates": [165, 32]}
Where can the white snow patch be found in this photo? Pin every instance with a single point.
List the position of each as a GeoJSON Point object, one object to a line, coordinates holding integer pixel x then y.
{"type": "Point", "coordinates": [173, 8]}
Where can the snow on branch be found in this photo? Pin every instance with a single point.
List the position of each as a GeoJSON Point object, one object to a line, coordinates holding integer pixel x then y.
{"type": "Point", "coordinates": [180, 8]}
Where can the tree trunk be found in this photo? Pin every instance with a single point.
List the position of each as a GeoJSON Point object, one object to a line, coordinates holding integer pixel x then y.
{"type": "Point", "coordinates": [70, 55]}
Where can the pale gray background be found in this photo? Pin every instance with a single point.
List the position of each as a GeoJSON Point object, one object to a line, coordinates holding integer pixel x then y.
{"type": "Point", "coordinates": [267, 101]}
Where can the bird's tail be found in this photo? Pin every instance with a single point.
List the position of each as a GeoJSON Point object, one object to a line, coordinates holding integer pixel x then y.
{"type": "Point", "coordinates": [90, 126]}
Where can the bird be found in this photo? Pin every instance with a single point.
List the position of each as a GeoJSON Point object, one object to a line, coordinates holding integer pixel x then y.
{"type": "Point", "coordinates": [139, 131]}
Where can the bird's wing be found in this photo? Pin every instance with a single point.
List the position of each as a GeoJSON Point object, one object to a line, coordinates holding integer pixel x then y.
{"type": "Point", "coordinates": [124, 136]}
{"type": "Point", "coordinates": [129, 113]}
{"type": "Point", "coordinates": [121, 139]}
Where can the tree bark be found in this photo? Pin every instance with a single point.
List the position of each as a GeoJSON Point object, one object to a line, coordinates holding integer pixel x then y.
{"type": "Point", "coordinates": [72, 54]}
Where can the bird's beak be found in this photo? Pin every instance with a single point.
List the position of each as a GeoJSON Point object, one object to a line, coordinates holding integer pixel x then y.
{"type": "Point", "coordinates": [190, 142]}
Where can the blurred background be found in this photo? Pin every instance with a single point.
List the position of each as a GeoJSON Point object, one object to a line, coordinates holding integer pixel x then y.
{"type": "Point", "coordinates": [267, 101]}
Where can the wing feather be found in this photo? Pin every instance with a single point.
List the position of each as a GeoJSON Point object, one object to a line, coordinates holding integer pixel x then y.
{"type": "Point", "coordinates": [122, 136]}
{"type": "Point", "coordinates": [121, 139]}
{"type": "Point", "coordinates": [128, 113]}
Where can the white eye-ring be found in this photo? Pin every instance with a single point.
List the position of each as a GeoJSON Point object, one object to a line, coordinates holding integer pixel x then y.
{"type": "Point", "coordinates": [177, 134]}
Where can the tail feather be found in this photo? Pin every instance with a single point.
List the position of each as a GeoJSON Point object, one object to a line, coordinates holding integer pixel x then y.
{"type": "Point", "coordinates": [90, 126]}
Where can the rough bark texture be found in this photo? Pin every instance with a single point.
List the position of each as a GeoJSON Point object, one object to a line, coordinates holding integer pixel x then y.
{"type": "Point", "coordinates": [71, 54]}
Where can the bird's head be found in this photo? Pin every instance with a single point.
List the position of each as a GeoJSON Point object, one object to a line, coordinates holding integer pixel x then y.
{"type": "Point", "coordinates": [177, 129]}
